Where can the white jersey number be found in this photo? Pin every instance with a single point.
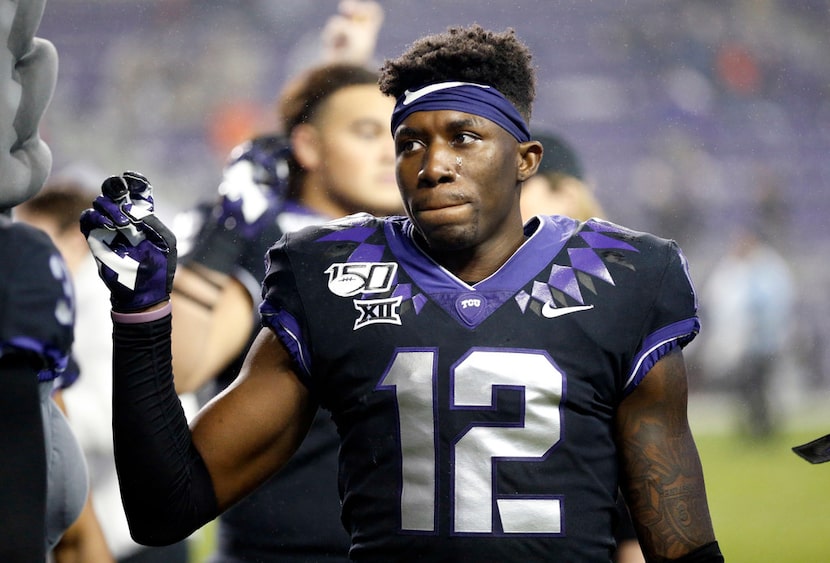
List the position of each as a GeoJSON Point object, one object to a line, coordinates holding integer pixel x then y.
{"type": "Point", "coordinates": [473, 381]}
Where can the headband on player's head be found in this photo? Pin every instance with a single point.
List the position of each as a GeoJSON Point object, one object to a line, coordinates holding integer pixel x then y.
{"type": "Point", "coordinates": [477, 99]}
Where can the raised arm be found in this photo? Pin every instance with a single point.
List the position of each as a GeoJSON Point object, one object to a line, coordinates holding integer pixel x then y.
{"type": "Point", "coordinates": [350, 35]}
{"type": "Point", "coordinates": [661, 473]}
{"type": "Point", "coordinates": [172, 481]}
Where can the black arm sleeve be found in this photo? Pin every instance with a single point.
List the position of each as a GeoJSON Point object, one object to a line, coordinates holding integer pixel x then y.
{"type": "Point", "coordinates": [23, 470]}
{"type": "Point", "coordinates": [165, 486]}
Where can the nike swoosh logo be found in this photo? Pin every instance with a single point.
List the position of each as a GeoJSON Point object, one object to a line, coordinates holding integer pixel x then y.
{"type": "Point", "coordinates": [550, 312]}
{"type": "Point", "coordinates": [410, 96]}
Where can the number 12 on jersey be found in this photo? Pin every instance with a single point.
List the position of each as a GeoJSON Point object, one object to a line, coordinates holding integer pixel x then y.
{"type": "Point", "coordinates": [473, 380]}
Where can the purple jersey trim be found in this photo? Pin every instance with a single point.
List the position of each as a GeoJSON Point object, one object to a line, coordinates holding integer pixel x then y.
{"type": "Point", "coordinates": [56, 361]}
{"type": "Point", "coordinates": [547, 235]}
{"type": "Point", "coordinates": [657, 345]}
{"type": "Point", "coordinates": [287, 329]}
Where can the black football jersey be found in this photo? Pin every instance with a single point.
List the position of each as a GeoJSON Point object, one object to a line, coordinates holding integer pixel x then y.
{"type": "Point", "coordinates": [37, 303]}
{"type": "Point", "coordinates": [476, 420]}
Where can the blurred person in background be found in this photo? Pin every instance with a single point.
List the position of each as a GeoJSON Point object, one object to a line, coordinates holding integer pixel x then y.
{"type": "Point", "coordinates": [559, 188]}
{"type": "Point", "coordinates": [54, 210]}
{"type": "Point", "coordinates": [43, 477]}
{"type": "Point", "coordinates": [748, 309]}
{"type": "Point", "coordinates": [88, 401]}
{"type": "Point", "coordinates": [335, 158]}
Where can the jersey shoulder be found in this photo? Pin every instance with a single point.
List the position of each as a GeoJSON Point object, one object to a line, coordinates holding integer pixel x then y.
{"type": "Point", "coordinates": [351, 228]}
{"type": "Point", "coordinates": [640, 241]}
{"type": "Point", "coordinates": [37, 302]}
{"type": "Point", "coordinates": [643, 255]}
{"type": "Point", "coordinates": [354, 238]}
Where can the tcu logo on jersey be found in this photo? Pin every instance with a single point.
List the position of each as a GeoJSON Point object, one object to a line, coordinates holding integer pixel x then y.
{"type": "Point", "coordinates": [347, 279]}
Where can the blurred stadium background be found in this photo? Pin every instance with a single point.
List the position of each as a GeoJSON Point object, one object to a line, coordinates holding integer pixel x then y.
{"type": "Point", "coordinates": [693, 118]}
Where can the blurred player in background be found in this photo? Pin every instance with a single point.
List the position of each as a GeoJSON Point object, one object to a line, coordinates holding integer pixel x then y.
{"type": "Point", "coordinates": [559, 187]}
{"type": "Point", "coordinates": [43, 478]}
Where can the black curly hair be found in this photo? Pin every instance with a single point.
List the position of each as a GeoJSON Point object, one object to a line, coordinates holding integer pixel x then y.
{"type": "Point", "coordinates": [467, 54]}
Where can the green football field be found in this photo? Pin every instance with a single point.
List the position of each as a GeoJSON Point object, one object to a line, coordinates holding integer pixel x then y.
{"type": "Point", "coordinates": [767, 504]}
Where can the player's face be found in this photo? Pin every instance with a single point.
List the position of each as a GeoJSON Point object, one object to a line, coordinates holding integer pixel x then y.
{"type": "Point", "coordinates": [357, 154]}
{"type": "Point", "coordinates": [458, 174]}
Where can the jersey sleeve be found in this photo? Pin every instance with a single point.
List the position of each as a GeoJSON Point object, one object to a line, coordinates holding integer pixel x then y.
{"type": "Point", "coordinates": [36, 298]}
{"type": "Point", "coordinates": [672, 319]}
{"type": "Point", "coordinates": [281, 309]}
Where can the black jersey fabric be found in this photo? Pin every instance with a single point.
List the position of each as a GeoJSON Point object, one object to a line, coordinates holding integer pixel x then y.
{"type": "Point", "coordinates": [37, 302]}
{"type": "Point", "coordinates": [476, 420]}
{"type": "Point", "coordinates": [37, 315]}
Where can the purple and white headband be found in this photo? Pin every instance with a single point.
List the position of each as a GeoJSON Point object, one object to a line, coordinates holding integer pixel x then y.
{"type": "Point", "coordinates": [477, 99]}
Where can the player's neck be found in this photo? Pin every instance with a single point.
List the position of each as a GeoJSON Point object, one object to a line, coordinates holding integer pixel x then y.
{"type": "Point", "coordinates": [476, 263]}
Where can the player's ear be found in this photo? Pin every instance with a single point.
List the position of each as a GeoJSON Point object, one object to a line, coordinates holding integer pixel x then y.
{"type": "Point", "coordinates": [529, 157]}
{"type": "Point", "coordinates": [305, 146]}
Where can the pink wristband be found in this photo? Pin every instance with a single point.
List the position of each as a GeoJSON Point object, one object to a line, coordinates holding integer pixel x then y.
{"type": "Point", "coordinates": [145, 317]}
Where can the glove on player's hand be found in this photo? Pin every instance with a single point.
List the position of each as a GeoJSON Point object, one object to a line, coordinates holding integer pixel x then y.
{"type": "Point", "coordinates": [251, 196]}
{"type": "Point", "coordinates": [136, 253]}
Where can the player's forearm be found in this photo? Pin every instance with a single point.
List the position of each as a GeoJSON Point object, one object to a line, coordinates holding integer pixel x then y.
{"type": "Point", "coordinates": [196, 292]}
{"type": "Point", "coordinates": [166, 488]}
{"type": "Point", "coordinates": [661, 475]}
{"type": "Point", "coordinates": [667, 497]}
{"type": "Point", "coordinates": [212, 320]}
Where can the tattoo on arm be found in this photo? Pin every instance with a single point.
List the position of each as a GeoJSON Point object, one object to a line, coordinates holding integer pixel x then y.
{"type": "Point", "coordinates": [661, 472]}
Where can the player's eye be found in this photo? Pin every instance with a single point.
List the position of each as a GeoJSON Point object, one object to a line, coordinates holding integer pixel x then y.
{"type": "Point", "coordinates": [464, 138]}
{"type": "Point", "coordinates": [407, 145]}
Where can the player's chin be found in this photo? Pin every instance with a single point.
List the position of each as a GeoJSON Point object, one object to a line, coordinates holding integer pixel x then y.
{"type": "Point", "coordinates": [447, 216]}
{"type": "Point", "coordinates": [447, 236]}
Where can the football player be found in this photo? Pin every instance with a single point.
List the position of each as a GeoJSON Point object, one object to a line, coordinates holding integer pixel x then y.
{"type": "Point", "coordinates": [493, 383]}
